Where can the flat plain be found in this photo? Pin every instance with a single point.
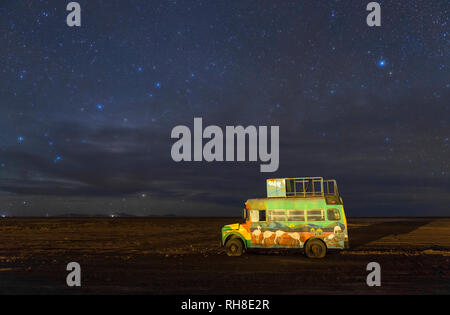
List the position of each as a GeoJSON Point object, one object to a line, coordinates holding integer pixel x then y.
{"type": "Point", "coordinates": [182, 256]}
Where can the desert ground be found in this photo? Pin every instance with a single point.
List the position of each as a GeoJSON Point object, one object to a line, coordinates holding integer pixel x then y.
{"type": "Point", "coordinates": [183, 256]}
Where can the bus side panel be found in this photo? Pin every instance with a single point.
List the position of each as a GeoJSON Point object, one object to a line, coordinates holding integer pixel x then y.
{"type": "Point", "coordinates": [284, 234]}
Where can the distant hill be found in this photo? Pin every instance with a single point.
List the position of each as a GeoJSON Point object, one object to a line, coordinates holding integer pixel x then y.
{"type": "Point", "coordinates": [79, 215]}
{"type": "Point", "coordinates": [73, 215]}
{"type": "Point", "coordinates": [115, 215]}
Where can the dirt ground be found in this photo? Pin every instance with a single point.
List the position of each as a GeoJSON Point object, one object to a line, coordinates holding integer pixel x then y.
{"type": "Point", "coordinates": [183, 256]}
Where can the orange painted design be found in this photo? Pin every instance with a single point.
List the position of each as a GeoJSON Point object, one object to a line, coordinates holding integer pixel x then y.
{"type": "Point", "coordinates": [247, 225]}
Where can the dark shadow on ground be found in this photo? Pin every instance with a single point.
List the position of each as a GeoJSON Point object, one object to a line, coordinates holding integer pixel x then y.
{"type": "Point", "coordinates": [363, 235]}
{"type": "Point", "coordinates": [14, 283]}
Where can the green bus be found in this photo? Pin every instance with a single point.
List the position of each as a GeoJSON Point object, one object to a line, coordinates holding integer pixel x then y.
{"type": "Point", "coordinates": [304, 212]}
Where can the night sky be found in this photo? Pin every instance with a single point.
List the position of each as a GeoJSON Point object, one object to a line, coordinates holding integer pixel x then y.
{"type": "Point", "coordinates": [86, 113]}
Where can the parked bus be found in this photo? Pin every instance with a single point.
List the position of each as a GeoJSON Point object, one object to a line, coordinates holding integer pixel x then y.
{"type": "Point", "coordinates": [305, 212]}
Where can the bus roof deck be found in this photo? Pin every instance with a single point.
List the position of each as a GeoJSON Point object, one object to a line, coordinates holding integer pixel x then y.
{"type": "Point", "coordinates": [301, 187]}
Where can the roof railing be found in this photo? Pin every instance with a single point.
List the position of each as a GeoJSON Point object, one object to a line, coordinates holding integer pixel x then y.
{"type": "Point", "coordinates": [301, 187]}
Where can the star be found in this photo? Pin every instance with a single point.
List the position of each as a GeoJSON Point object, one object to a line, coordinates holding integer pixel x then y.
{"type": "Point", "coordinates": [22, 74]}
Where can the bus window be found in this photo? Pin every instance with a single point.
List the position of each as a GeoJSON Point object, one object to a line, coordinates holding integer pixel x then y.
{"type": "Point", "coordinates": [333, 215]}
{"type": "Point", "coordinates": [277, 215]}
{"type": "Point", "coordinates": [258, 215]}
{"type": "Point", "coordinates": [315, 215]}
{"type": "Point", "coordinates": [296, 215]}
{"type": "Point", "coordinates": [254, 215]}
{"type": "Point", "coordinates": [262, 216]}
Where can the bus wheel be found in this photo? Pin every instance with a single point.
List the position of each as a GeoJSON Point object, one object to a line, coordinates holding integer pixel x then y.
{"type": "Point", "coordinates": [315, 249]}
{"type": "Point", "coordinates": [234, 247]}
